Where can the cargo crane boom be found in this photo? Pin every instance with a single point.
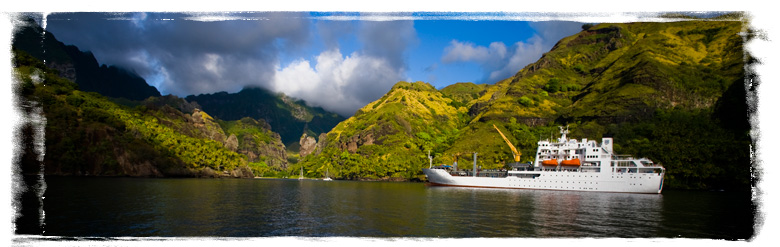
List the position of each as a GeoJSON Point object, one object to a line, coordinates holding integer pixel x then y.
{"type": "Point", "coordinates": [515, 153]}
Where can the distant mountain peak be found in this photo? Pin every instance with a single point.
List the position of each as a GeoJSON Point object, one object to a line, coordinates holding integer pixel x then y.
{"type": "Point", "coordinates": [287, 116]}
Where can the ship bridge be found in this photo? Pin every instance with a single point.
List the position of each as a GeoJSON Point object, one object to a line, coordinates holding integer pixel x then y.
{"type": "Point", "coordinates": [564, 154]}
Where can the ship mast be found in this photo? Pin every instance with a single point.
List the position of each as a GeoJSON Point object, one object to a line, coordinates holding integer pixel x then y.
{"type": "Point", "coordinates": [563, 134]}
{"type": "Point", "coordinates": [430, 159]}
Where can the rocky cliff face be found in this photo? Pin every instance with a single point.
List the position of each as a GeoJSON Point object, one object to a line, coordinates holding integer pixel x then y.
{"type": "Point", "coordinates": [321, 144]}
{"type": "Point", "coordinates": [255, 139]}
{"type": "Point", "coordinates": [357, 140]}
{"type": "Point", "coordinates": [232, 143]}
{"type": "Point", "coordinates": [66, 70]}
{"type": "Point", "coordinates": [273, 152]}
{"type": "Point", "coordinates": [308, 144]}
{"type": "Point", "coordinates": [208, 126]}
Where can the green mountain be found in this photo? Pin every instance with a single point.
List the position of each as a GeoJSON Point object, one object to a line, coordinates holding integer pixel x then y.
{"type": "Point", "coordinates": [86, 134]}
{"type": "Point", "coordinates": [390, 137]}
{"type": "Point", "coordinates": [289, 117]}
{"type": "Point", "coordinates": [623, 72]}
{"type": "Point", "coordinates": [81, 67]}
{"type": "Point", "coordinates": [655, 87]}
{"type": "Point", "coordinates": [464, 93]}
{"type": "Point", "coordinates": [672, 92]}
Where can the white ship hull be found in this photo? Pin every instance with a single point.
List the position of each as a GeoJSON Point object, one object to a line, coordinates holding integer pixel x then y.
{"type": "Point", "coordinates": [651, 183]}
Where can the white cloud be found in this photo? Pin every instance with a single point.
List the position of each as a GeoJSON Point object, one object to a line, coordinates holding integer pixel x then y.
{"type": "Point", "coordinates": [458, 51]}
{"type": "Point", "coordinates": [496, 60]}
{"type": "Point", "coordinates": [338, 83]}
{"type": "Point", "coordinates": [344, 83]}
{"type": "Point", "coordinates": [523, 54]}
{"type": "Point", "coordinates": [499, 62]}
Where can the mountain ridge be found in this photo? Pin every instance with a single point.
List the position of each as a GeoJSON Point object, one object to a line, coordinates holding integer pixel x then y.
{"type": "Point", "coordinates": [647, 84]}
{"type": "Point", "coordinates": [289, 117]}
{"type": "Point", "coordinates": [78, 66]}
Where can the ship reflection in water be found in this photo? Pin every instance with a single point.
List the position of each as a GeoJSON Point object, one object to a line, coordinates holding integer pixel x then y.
{"type": "Point", "coordinates": [537, 213]}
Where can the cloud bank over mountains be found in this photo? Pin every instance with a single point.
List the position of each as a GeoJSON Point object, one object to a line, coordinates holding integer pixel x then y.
{"type": "Point", "coordinates": [182, 56]}
{"type": "Point", "coordinates": [340, 65]}
{"type": "Point", "coordinates": [344, 83]}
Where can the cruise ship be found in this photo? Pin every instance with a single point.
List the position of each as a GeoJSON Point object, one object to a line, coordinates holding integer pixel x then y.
{"type": "Point", "coordinates": [563, 164]}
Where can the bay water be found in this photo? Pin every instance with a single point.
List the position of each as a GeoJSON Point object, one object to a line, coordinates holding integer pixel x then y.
{"type": "Point", "coordinates": [141, 207]}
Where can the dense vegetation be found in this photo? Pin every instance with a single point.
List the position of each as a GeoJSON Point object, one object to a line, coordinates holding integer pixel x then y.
{"type": "Point", "coordinates": [264, 149]}
{"type": "Point", "coordinates": [390, 137]}
{"type": "Point", "coordinates": [463, 93]}
{"type": "Point", "coordinates": [672, 92]}
{"type": "Point", "coordinates": [87, 134]}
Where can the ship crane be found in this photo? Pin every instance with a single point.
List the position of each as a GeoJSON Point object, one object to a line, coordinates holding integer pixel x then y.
{"type": "Point", "coordinates": [515, 153]}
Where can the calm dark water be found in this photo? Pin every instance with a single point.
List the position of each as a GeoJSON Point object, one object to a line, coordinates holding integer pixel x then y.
{"type": "Point", "coordinates": [111, 207]}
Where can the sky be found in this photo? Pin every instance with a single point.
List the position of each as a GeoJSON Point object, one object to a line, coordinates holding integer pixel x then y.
{"type": "Point", "coordinates": [335, 60]}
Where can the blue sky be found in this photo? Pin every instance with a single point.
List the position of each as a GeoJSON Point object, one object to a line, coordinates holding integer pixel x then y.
{"type": "Point", "coordinates": [438, 34]}
{"type": "Point", "coordinates": [339, 61]}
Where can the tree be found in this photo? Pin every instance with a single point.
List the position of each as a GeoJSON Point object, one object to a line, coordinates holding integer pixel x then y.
{"type": "Point", "coordinates": [587, 26]}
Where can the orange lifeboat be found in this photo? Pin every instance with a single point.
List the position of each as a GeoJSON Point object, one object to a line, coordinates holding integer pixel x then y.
{"type": "Point", "coordinates": [552, 162]}
{"type": "Point", "coordinates": [573, 162]}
